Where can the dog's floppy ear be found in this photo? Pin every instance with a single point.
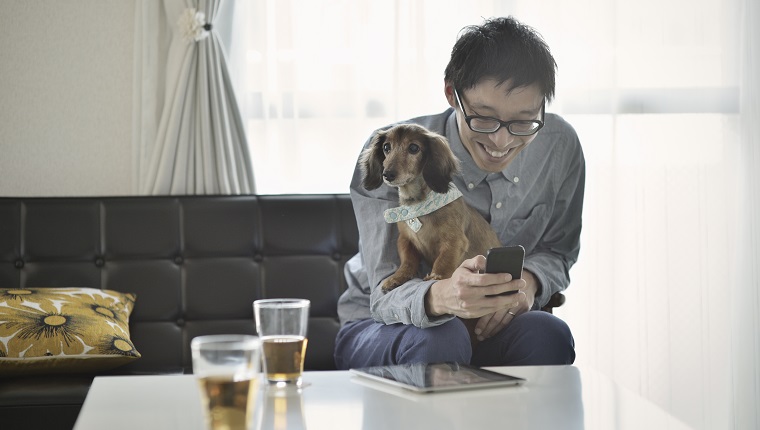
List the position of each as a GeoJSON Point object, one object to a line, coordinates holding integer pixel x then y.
{"type": "Point", "coordinates": [440, 165]}
{"type": "Point", "coordinates": [372, 162]}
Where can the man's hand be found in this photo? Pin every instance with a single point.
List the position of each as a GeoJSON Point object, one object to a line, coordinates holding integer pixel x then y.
{"type": "Point", "coordinates": [489, 325]}
{"type": "Point", "coordinates": [464, 294]}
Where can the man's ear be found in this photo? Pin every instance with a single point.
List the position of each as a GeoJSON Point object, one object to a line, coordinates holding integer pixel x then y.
{"type": "Point", "coordinates": [448, 91]}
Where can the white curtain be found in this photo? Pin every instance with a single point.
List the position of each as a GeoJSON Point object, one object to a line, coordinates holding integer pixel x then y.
{"type": "Point", "coordinates": [665, 298]}
{"type": "Point", "coordinates": [745, 297]}
{"type": "Point", "coordinates": [189, 135]}
{"type": "Point", "coordinates": [316, 77]}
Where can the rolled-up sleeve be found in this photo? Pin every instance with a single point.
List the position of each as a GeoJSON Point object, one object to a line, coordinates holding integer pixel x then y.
{"type": "Point", "coordinates": [406, 303]}
{"type": "Point", "coordinates": [559, 244]}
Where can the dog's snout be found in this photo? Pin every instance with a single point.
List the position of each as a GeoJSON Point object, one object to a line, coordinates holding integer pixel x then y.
{"type": "Point", "coordinates": [389, 175]}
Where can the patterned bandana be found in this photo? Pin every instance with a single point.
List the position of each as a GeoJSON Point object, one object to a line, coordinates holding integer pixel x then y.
{"type": "Point", "coordinates": [432, 203]}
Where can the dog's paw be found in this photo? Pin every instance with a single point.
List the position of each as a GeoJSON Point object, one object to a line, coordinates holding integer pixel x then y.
{"type": "Point", "coordinates": [433, 276]}
{"type": "Point", "coordinates": [392, 283]}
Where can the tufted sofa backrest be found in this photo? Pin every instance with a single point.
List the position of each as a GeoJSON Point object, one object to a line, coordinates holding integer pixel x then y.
{"type": "Point", "coordinates": [196, 263]}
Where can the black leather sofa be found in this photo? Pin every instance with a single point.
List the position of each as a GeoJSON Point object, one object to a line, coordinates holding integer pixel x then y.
{"type": "Point", "coordinates": [196, 264]}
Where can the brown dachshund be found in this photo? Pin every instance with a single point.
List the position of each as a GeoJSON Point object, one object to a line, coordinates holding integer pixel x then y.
{"type": "Point", "coordinates": [421, 165]}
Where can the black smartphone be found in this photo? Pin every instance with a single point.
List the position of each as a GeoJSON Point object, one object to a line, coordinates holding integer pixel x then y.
{"type": "Point", "coordinates": [506, 259]}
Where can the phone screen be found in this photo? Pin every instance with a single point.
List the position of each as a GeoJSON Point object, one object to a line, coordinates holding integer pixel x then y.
{"type": "Point", "coordinates": [506, 259]}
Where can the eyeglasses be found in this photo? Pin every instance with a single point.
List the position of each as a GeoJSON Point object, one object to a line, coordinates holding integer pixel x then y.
{"type": "Point", "coordinates": [486, 124]}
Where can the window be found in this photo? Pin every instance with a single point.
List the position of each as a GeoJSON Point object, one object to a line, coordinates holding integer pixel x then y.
{"type": "Point", "coordinates": [314, 79]}
{"type": "Point", "coordinates": [653, 88]}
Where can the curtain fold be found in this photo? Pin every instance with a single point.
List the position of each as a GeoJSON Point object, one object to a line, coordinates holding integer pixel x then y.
{"type": "Point", "coordinates": [197, 145]}
{"type": "Point", "coordinates": [745, 297]}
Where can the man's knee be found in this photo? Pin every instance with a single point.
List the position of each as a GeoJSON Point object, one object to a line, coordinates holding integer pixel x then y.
{"type": "Point", "coordinates": [544, 323]}
{"type": "Point", "coordinates": [367, 343]}
{"type": "Point", "coordinates": [547, 336]}
{"type": "Point", "coordinates": [533, 338]}
{"type": "Point", "coordinates": [446, 342]}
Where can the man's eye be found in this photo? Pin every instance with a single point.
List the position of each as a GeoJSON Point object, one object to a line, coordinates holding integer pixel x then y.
{"type": "Point", "coordinates": [414, 148]}
{"type": "Point", "coordinates": [387, 148]}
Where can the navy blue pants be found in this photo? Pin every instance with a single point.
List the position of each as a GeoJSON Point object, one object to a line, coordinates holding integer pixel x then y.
{"type": "Point", "coordinates": [532, 338]}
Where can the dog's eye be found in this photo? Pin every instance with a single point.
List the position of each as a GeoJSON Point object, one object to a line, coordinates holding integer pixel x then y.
{"type": "Point", "coordinates": [387, 148]}
{"type": "Point", "coordinates": [414, 148]}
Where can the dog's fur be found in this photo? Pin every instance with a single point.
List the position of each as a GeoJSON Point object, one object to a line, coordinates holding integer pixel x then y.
{"type": "Point", "coordinates": [417, 161]}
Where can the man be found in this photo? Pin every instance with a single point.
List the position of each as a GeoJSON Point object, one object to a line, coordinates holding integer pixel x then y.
{"type": "Point", "coordinates": [524, 171]}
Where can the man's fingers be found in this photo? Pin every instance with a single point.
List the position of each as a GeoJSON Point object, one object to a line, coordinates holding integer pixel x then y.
{"type": "Point", "coordinates": [490, 324]}
{"type": "Point", "coordinates": [482, 323]}
{"type": "Point", "coordinates": [475, 264]}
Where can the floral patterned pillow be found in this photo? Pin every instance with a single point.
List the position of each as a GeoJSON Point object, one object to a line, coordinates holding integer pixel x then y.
{"type": "Point", "coordinates": [64, 330]}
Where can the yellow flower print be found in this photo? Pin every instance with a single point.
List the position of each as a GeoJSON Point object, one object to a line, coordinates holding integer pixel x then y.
{"type": "Point", "coordinates": [33, 328]}
{"type": "Point", "coordinates": [38, 322]}
{"type": "Point", "coordinates": [99, 304]}
{"type": "Point", "coordinates": [116, 345]}
{"type": "Point", "coordinates": [15, 297]}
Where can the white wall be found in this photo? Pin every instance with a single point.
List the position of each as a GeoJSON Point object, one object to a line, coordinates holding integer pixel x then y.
{"type": "Point", "coordinates": [66, 70]}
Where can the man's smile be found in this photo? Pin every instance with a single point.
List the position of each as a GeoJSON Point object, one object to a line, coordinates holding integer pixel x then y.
{"type": "Point", "coordinates": [499, 154]}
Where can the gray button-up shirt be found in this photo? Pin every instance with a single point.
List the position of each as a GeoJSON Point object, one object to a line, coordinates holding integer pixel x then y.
{"type": "Point", "coordinates": [536, 202]}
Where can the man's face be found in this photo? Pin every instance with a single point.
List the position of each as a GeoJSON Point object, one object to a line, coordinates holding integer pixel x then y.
{"type": "Point", "coordinates": [492, 152]}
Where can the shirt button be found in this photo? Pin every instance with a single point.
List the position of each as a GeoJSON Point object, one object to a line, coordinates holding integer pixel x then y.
{"type": "Point", "coordinates": [470, 186]}
{"type": "Point", "coordinates": [498, 205]}
{"type": "Point", "coordinates": [516, 179]}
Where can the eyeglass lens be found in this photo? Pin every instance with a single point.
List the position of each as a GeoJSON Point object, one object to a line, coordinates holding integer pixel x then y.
{"type": "Point", "coordinates": [486, 125]}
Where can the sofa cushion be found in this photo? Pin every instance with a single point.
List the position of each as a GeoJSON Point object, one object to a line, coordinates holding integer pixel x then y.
{"type": "Point", "coordinates": [64, 330]}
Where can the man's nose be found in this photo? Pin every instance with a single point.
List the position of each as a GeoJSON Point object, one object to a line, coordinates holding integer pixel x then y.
{"type": "Point", "coordinates": [502, 138]}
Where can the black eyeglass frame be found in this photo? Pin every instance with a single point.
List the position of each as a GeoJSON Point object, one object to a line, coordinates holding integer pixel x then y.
{"type": "Point", "coordinates": [508, 124]}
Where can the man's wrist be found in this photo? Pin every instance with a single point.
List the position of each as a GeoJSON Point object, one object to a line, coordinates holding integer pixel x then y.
{"type": "Point", "coordinates": [430, 305]}
{"type": "Point", "coordinates": [532, 283]}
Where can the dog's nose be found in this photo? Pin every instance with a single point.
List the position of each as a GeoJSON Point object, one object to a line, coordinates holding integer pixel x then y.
{"type": "Point", "coordinates": [389, 175]}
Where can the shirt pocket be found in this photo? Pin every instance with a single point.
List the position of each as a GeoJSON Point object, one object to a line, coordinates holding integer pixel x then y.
{"type": "Point", "coordinates": [529, 230]}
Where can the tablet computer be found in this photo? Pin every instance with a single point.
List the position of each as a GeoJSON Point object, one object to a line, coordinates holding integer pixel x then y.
{"type": "Point", "coordinates": [434, 377]}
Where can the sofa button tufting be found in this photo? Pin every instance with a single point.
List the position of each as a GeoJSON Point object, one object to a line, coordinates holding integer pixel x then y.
{"type": "Point", "coordinates": [336, 256]}
{"type": "Point", "coordinates": [100, 262]}
{"type": "Point", "coordinates": [18, 264]}
{"type": "Point", "coordinates": [258, 258]}
{"type": "Point", "coordinates": [179, 260]}
{"type": "Point", "coordinates": [180, 322]}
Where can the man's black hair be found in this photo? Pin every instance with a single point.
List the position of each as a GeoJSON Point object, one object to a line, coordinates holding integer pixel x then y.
{"type": "Point", "coordinates": [502, 49]}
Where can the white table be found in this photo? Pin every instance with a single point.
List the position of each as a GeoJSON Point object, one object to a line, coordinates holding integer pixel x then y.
{"type": "Point", "coordinates": [554, 397]}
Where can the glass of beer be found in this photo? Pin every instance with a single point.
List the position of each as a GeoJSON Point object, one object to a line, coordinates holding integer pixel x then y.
{"type": "Point", "coordinates": [281, 325]}
{"type": "Point", "coordinates": [227, 370]}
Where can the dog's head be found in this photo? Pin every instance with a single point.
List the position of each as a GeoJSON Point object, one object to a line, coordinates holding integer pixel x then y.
{"type": "Point", "coordinates": [403, 153]}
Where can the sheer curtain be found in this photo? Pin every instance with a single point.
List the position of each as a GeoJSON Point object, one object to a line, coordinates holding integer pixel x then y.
{"type": "Point", "coordinates": [189, 134]}
{"type": "Point", "coordinates": [664, 96]}
{"type": "Point", "coordinates": [745, 310]}
{"type": "Point", "coordinates": [315, 78]}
